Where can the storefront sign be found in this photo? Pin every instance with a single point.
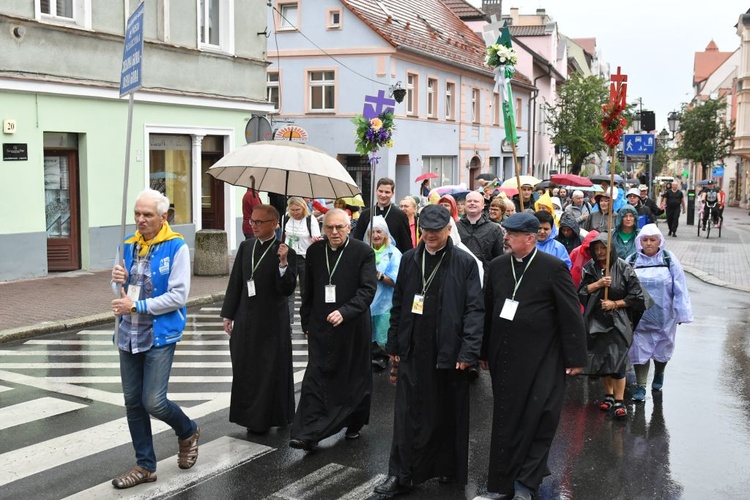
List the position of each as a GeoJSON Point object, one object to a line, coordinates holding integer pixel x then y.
{"type": "Point", "coordinates": [15, 152]}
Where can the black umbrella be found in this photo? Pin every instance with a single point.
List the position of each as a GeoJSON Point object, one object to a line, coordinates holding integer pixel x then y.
{"type": "Point", "coordinates": [546, 184]}
{"type": "Point", "coordinates": [486, 177]}
{"type": "Point", "coordinates": [597, 178]}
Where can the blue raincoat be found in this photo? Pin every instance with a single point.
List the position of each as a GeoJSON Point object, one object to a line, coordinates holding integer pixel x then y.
{"type": "Point", "coordinates": [387, 260]}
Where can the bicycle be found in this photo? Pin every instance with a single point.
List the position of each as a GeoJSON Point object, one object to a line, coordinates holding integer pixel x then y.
{"type": "Point", "coordinates": [704, 223]}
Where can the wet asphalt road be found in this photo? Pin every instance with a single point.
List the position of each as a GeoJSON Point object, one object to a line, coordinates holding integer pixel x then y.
{"type": "Point", "coordinates": [690, 441]}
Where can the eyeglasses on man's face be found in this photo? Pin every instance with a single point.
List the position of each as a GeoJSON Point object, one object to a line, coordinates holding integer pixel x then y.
{"type": "Point", "coordinates": [336, 227]}
{"type": "Point", "coordinates": [256, 222]}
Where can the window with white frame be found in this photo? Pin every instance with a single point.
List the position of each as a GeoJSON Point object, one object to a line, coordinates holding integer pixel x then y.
{"type": "Point", "coordinates": [215, 25]}
{"type": "Point", "coordinates": [475, 103]}
{"type": "Point", "coordinates": [322, 86]}
{"type": "Point", "coordinates": [69, 12]}
{"type": "Point", "coordinates": [497, 105]}
{"type": "Point", "coordinates": [450, 92]}
{"type": "Point", "coordinates": [334, 19]}
{"type": "Point", "coordinates": [288, 16]}
{"type": "Point", "coordinates": [519, 112]}
{"type": "Point", "coordinates": [443, 166]}
{"type": "Point", "coordinates": [432, 84]}
{"type": "Point", "coordinates": [272, 88]}
{"type": "Point", "coordinates": [412, 105]}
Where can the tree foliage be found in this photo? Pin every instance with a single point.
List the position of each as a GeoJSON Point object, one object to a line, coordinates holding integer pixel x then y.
{"type": "Point", "coordinates": [705, 134]}
{"type": "Point", "coordinates": [575, 119]}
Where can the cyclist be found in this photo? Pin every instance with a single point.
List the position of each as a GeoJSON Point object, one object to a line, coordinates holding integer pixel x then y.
{"type": "Point", "coordinates": [710, 201]}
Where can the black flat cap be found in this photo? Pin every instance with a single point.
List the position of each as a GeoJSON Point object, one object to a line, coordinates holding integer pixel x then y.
{"type": "Point", "coordinates": [434, 217]}
{"type": "Point", "coordinates": [521, 223]}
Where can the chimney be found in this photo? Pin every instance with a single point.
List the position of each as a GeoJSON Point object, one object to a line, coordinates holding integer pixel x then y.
{"type": "Point", "coordinates": [490, 7]}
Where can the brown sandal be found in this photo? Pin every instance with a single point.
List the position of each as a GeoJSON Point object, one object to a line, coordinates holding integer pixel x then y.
{"type": "Point", "coordinates": [135, 476]}
{"type": "Point", "coordinates": [188, 454]}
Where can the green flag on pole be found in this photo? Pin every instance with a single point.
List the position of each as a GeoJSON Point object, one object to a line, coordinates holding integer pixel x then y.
{"type": "Point", "coordinates": [508, 69]}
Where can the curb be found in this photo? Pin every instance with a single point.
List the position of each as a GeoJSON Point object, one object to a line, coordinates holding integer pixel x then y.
{"type": "Point", "coordinates": [712, 280]}
{"type": "Point", "coordinates": [46, 327]}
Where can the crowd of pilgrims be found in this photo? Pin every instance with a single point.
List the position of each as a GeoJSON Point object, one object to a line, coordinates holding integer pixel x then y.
{"type": "Point", "coordinates": [531, 287]}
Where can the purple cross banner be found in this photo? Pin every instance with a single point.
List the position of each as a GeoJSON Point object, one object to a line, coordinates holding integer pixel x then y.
{"type": "Point", "coordinates": [375, 105]}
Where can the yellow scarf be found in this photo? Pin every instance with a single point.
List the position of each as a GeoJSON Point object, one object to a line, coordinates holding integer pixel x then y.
{"type": "Point", "coordinates": [164, 234]}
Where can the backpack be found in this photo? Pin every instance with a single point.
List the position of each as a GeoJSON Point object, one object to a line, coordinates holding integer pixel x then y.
{"type": "Point", "coordinates": [308, 219]}
{"type": "Point", "coordinates": [665, 255]}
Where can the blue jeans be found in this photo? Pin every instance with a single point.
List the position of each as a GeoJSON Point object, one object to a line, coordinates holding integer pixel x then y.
{"type": "Point", "coordinates": [145, 377]}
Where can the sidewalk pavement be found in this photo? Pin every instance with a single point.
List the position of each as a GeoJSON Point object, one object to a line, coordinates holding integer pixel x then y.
{"type": "Point", "coordinates": [81, 299]}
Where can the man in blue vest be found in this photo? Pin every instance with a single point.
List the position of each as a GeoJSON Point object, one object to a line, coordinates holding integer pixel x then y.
{"type": "Point", "coordinates": [151, 317]}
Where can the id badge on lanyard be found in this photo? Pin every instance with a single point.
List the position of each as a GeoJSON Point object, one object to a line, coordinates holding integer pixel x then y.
{"type": "Point", "coordinates": [330, 294]}
{"type": "Point", "coordinates": [417, 306]}
{"type": "Point", "coordinates": [509, 309]}
{"type": "Point", "coordinates": [251, 288]}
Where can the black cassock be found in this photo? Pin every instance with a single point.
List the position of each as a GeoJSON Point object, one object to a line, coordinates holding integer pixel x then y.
{"type": "Point", "coordinates": [431, 414]}
{"type": "Point", "coordinates": [337, 386]}
{"type": "Point", "coordinates": [261, 343]}
{"type": "Point", "coordinates": [527, 358]}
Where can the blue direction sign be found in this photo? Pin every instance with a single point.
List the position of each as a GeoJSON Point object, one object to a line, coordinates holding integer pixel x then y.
{"type": "Point", "coordinates": [132, 54]}
{"type": "Point", "coordinates": [717, 171]}
{"type": "Point", "coordinates": [639, 144]}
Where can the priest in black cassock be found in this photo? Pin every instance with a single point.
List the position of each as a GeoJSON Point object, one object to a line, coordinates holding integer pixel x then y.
{"type": "Point", "coordinates": [435, 335]}
{"type": "Point", "coordinates": [256, 316]}
{"type": "Point", "coordinates": [340, 284]}
{"type": "Point", "coordinates": [398, 222]}
{"type": "Point", "coordinates": [533, 336]}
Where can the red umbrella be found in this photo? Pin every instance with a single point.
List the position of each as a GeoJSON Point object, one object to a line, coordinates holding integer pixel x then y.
{"type": "Point", "coordinates": [571, 180]}
{"type": "Point", "coordinates": [509, 191]}
{"type": "Point", "coordinates": [428, 175]}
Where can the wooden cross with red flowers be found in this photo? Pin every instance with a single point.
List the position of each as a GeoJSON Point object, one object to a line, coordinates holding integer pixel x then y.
{"type": "Point", "coordinates": [613, 122]}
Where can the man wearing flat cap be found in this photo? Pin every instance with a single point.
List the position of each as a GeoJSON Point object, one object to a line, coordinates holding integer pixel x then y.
{"type": "Point", "coordinates": [435, 335]}
{"type": "Point", "coordinates": [533, 336]}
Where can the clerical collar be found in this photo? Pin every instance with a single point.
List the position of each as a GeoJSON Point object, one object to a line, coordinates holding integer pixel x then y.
{"type": "Point", "coordinates": [263, 242]}
{"type": "Point", "coordinates": [343, 245]}
{"type": "Point", "coordinates": [436, 251]}
{"type": "Point", "coordinates": [525, 257]}
{"type": "Point", "coordinates": [383, 209]}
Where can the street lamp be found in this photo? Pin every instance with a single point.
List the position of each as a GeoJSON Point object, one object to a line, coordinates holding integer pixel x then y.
{"type": "Point", "coordinates": [663, 136]}
{"type": "Point", "coordinates": [673, 120]}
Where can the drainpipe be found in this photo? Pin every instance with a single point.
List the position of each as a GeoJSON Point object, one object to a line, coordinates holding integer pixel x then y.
{"type": "Point", "coordinates": [532, 113]}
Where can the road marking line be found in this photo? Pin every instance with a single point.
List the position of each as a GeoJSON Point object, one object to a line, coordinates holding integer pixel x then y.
{"type": "Point", "coordinates": [37, 409]}
{"type": "Point", "coordinates": [365, 489]}
{"type": "Point", "coordinates": [36, 458]}
{"type": "Point", "coordinates": [211, 309]}
{"type": "Point", "coordinates": [66, 385]}
{"type": "Point", "coordinates": [53, 384]}
{"type": "Point", "coordinates": [3, 388]}
{"type": "Point", "coordinates": [104, 366]}
{"type": "Point", "coordinates": [216, 457]}
{"type": "Point", "coordinates": [312, 485]}
{"type": "Point", "coordinates": [111, 353]}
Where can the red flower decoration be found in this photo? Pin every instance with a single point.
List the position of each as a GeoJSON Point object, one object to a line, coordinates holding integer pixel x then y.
{"type": "Point", "coordinates": [612, 124]}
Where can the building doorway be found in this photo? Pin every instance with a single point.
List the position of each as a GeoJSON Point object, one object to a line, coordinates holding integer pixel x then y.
{"type": "Point", "coordinates": [212, 190]}
{"type": "Point", "coordinates": [61, 197]}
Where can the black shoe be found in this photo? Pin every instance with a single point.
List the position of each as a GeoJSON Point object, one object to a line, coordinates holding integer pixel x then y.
{"type": "Point", "coordinates": [445, 479]}
{"type": "Point", "coordinates": [473, 373]}
{"type": "Point", "coordinates": [299, 444]}
{"type": "Point", "coordinates": [391, 487]}
{"type": "Point", "coordinates": [379, 364]}
{"type": "Point", "coordinates": [351, 434]}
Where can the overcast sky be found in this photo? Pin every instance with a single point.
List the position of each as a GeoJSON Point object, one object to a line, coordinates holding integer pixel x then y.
{"type": "Point", "coordinates": [653, 41]}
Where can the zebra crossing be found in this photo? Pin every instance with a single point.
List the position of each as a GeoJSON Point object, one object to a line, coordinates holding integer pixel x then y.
{"type": "Point", "coordinates": [71, 378]}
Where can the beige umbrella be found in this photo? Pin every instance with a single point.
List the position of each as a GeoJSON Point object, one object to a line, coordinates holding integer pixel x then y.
{"type": "Point", "coordinates": [287, 168]}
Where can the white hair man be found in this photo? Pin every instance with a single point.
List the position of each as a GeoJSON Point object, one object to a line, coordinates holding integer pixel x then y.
{"type": "Point", "coordinates": [151, 317]}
